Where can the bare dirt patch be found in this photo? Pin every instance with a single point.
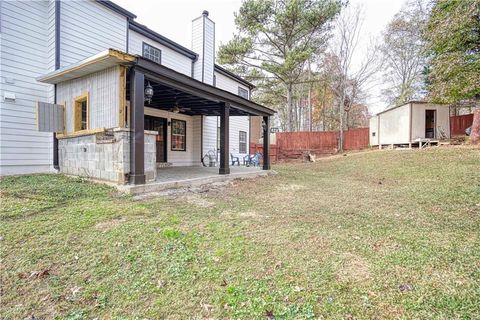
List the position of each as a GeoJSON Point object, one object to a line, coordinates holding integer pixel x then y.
{"type": "Point", "coordinates": [354, 269]}
{"type": "Point", "coordinates": [107, 225]}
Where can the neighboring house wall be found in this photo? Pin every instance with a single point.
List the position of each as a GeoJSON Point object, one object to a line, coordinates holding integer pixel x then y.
{"type": "Point", "coordinates": [26, 51]}
{"type": "Point", "coordinates": [87, 28]}
{"type": "Point", "coordinates": [170, 58]}
{"type": "Point", "coordinates": [103, 95]}
{"type": "Point", "coordinates": [373, 131]}
{"type": "Point", "coordinates": [394, 125]}
{"type": "Point", "coordinates": [191, 156]}
{"type": "Point", "coordinates": [418, 119]}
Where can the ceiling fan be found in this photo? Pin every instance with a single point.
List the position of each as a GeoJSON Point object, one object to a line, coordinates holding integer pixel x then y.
{"type": "Point", "coordinates": [177, 108]}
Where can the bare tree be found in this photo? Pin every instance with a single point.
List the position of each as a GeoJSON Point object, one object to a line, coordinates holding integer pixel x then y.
{"type": "Point", "coordinates": [403, 51]}
{"type": "Point", "coordinates": [352, 77]}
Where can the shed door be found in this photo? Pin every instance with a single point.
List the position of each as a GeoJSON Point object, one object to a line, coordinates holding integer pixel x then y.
{"type": "Point", "coordinates": [430, 116]}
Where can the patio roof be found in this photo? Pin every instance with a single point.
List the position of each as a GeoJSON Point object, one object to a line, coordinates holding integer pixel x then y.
{"type": "Point", "coordinates": [170, 86]}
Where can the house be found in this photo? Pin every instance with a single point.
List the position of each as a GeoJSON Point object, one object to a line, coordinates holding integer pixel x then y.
{"type": "Point", "coordinates": [410, 123]}
{"type": "Point", "coordinates": [121, 98]}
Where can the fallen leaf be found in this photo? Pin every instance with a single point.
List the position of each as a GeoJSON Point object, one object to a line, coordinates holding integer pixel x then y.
{"type": "Point", "coordinates": [405, 287]}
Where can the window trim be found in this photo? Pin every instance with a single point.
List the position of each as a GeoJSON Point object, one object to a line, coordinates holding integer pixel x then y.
{"type": "Point", "coordinates": [171, 135]}
{"type": "Point", "coordinates": [240, 142]}
{"type": "Point", "coordinates": [144, 44]}
{"type": "Point", "coordinates": [243, 89]}
{"type": "Point", "coordinates": [77, 121]}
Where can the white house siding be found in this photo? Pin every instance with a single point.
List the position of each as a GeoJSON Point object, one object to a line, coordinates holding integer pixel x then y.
{"type": "Point", "coordinates": [203, 43]}
{"type": "Point", "coordinates": [191, 156]}
{"type": "Point", "coordinates": [103, 89]}
{"type": "Point", "coordinates": [418, 119]}
{"type": "Point", "coordinates": [170, 58]}
{"type": "Point", "coordinates": [394, 126]}
{"type": "Point", "coordinates": [25, 53]}
{"type": "Point", "coordinates": [228, 84]}
{"type": "Point", "coordinates": [237, 123]}
{"type": "Point", "coordinates": [87, 28]}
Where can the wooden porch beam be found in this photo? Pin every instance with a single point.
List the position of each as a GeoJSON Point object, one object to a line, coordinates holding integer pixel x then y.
{"type": "Point", "coordinates": [224, 138]}
{"type": "Point", "coordinates": [137, 142]}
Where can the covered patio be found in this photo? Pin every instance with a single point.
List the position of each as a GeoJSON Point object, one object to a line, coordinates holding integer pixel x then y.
{"type": "Point", "coordinates": [109, 99]}
{"type": "Point", "coordinates": [179, 93]}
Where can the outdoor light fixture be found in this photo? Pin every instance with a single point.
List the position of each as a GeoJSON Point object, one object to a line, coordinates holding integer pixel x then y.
{"type": "Point", "coordinates": [148, 92]}
{"type": "Point", "coordinates": [264, 126]}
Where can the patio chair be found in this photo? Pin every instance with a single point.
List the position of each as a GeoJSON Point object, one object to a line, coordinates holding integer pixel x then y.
{"type": "Point", "coordinates": [253, 160]}
{"type": "Point", "coordinates": [235, 160]}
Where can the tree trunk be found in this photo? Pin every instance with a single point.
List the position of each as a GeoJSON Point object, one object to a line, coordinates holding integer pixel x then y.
{"type": "Point", "coordinates": [340, 135]}
{"type": "Point", "coordinates": [475, 135]}
{"type": "Point", "coordinates": [289, 108]}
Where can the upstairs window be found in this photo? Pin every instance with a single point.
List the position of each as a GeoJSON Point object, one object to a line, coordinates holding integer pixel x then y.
{"type": "Point", "coordinates": [242, 142]}
{"type": "Point", "coordinates": [243, 92]}
{"type": "Point", "coordinates": [152, 53]}
{"type": "Point", "coordinates": [80, 113]}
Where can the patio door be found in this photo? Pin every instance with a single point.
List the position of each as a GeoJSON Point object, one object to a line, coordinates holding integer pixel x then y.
{"type": "Point", "coordinates": [160, 125]}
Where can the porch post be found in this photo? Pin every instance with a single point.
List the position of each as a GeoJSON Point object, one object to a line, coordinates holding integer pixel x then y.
{"type": "Point", "coordinates": [137, 145]}
{"type": "Point", "coordinates": [224, 139]}
{"type": "Point", "coordinates": [266, 143]}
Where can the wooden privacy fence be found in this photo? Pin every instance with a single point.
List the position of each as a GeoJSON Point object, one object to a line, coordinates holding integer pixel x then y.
{"type": "Point", "coordinates": [254, 147]}
{"type": "Point", "coordinates": [458, 124]}
{"type": "Point", "coordinates": [292, 145]}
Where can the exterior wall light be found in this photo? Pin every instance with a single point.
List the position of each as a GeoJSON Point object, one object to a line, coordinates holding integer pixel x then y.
{"type": "Point", "coordinates": [148, 92]}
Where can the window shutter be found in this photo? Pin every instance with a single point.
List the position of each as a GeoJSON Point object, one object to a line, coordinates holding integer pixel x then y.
{"type": "Point", "coordinates": [50, 117]}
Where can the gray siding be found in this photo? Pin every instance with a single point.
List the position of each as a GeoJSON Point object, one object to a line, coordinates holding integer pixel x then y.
{"type": "Point", "coordinates": [88, 28]}
{"type": "Point", "coordinates": [25, 53]}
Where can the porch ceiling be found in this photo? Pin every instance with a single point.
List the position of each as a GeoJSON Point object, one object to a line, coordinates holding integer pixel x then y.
{"type": "Point", "coordinates": [166, 98]}
{"type": "Point", "coordinates": [199, 97]}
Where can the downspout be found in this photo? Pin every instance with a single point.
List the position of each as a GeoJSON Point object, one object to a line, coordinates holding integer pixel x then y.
{"type": "Point", "coordinates": [56, 165]}
{"type": "Point", "coordinates": [127, 35]}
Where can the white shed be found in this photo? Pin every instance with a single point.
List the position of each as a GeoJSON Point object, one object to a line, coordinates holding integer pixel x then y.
{"type": "Point", "coordinates": [410, 123]}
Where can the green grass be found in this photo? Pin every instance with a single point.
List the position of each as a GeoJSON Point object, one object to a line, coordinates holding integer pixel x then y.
{"type": "Point", "coordinates": [392, 234]}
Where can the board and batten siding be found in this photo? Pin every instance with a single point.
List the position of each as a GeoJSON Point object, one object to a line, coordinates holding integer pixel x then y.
{"type": "Point", "coordinates": [87, 28]}
{"type": "Point", "coordinates": [170, 58]}
{"type": "Point", "coordinates": [25, 53]}
{"type": "Point", "coordinates": [103, 95]}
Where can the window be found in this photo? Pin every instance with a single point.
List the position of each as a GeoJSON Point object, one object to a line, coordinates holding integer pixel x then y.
{"type": "Point", "coordinates": [243, 92]}
{"type": "Point", "coordinates": [242, 142]}
{"type": "Point", "coordinates": [179, 135]}
{"type": "Point", "coordinates": [80, 113]}
{"type": "Point", "coordinates": [152, 53]}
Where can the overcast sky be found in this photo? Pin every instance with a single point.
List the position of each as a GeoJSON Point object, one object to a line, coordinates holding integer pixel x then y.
{"type": "Point", "coordinates": [173, 18]}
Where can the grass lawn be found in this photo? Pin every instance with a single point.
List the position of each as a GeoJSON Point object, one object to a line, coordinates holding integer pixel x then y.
{"type": "Point", "coordinates": [391, 234]}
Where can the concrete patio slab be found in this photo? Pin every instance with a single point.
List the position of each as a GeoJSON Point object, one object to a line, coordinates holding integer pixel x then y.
{"type": "Point", "coordinates": [184, 177]}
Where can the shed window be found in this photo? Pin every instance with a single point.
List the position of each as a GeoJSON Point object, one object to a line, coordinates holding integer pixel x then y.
{"type": "Point", "coordinates": [80, 113]}
{"type": "Point", "coordinates": [152, 53]}
{"type": "Point", "coordinates": [179, 135]}
{"type": "Point", "coordinates": [242, 142]}
{"type": "Point", "coordinates": [243, 92]}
